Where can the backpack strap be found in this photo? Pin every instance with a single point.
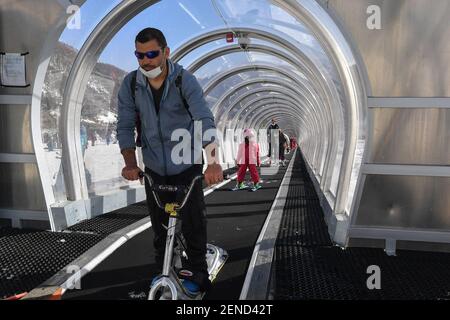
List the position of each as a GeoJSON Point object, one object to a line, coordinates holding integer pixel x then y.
{"type": "Point", "coordinates": [138, 116]}
{"type": "Point", "coordinates": [133, 85]}
{"type": "Point", "coordinates": [179, 84]}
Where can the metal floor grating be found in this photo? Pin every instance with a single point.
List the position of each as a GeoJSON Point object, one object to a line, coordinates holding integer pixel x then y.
{"type": "Point", "coordinates": [330, 273]}
{"type": "Point", "coordinates": [8, 231]}
{"type": "Point", "coordinates": [27, 260]}
{"type": "Point", "coordinates": [308, 266]}
{"type": "Point", "coordinates": [107, 224]}
{"type": "Point", "coordinates": [29, 257]}
{"type": "Point", "coordinates": [302, 223]}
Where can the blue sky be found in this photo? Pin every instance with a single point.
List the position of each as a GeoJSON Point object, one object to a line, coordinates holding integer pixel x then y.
{"type": "Point", "coordinates": [178, 20]}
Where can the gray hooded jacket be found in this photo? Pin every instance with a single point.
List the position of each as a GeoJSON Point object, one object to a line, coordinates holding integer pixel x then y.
{"type": "Point", "coordinates": [161, 151]}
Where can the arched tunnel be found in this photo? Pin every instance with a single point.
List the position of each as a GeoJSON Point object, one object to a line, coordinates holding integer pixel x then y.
{"type": "Point", "coordinates": [367, 105]}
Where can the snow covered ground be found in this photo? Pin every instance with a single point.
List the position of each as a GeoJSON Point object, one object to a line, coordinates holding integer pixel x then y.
{"type": "Point", "coordinates": [54, 163]}
{"type": "Point", "coordinates": [103, 164]}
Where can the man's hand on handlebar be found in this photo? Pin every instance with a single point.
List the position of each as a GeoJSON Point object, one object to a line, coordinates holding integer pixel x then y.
{"type": "Point", "coordinates": [131, 170]}
{"type": "Point", "coordinates": [213, 174]}
{"type": "Point", "coordinates": [131, 173]}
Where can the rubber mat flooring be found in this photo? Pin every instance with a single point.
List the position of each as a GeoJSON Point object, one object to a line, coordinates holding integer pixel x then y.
{"type": "Point", "coordinates": [234, 219]}
{"type": "Point", "coordinates": [307, 265]}
{"type": "Point", "coordinates": [29, 257]}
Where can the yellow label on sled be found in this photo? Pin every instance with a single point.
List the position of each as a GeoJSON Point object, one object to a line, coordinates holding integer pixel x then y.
{"type": "Point", "coordinates": [170, 208]}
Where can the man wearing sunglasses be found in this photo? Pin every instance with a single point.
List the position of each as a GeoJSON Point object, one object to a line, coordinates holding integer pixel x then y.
{"type": "Point", "coordinates": [163, 106]}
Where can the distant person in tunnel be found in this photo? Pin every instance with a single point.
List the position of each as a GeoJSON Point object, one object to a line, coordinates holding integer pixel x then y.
{"type": "Point", "coordinates": [248, 158]}
{"type": "Point", "coordinates": [83, 138]}
{"type": "Point", "coordinates": [108, 136]}
{"type": "Point", "coordinates": [287, 146]}
{"type": "Point", "coordinates": [282, 145]}
{"type": "Point", "coordinates": [293, 143]}
{"type": "Point", "coordinates": [165, 97]}
{"type": "Point", "coordinates": [93, 137]}
{"type": "Point", "coordinates": [273, 127]}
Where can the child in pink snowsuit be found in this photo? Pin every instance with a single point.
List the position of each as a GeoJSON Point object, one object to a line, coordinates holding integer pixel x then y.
{"type": "Point", "coordinates": [248, 157]}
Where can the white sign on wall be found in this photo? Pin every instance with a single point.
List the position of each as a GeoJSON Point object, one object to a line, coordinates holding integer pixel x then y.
{"type": "Point", "coordinates": [13, 70]}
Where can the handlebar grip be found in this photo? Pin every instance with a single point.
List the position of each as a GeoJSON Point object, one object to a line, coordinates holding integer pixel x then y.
{"type": "Point", "coordinates": [226, 176]}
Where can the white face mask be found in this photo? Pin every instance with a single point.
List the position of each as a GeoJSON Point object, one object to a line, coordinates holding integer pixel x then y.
{"type": "Point", "coordinates": [152, 74]}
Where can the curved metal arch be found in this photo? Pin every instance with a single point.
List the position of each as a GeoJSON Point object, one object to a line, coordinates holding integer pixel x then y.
{"type": "Point", "coordinates": [221, 51]}
{"type": "Point", "coordinates": [335, 45]}
{"type": "Point", "coordinates": [209, 86]}
{"type": "Point", "coordinates": [201, 61]}
{"type": "Point", "coordinates": [287, 89]}
{"type": "Point", "coordinates": [299, 131]}
{"type": "Point", "coordinates": [329, 137]}
{"type": "Point", "coordinates": [248, 107]}
{"type": "Point", "coordinates": [75, 87]}
{"type": "Point", "coordinates": [258, 80]}
{"type": "Point", "coordinates": [48, 46]}
{"type": "Point", "coordinates": [312, 71]}
{"type": "Point", "coordinates": [264, 107]}
{"type": "Point", "coordinates": [258, 122]}
{"type": "Point", "coordinates": [287, 106]}
{"type": "Point", "coordinates": [319, 111]}
{"type": "Point", "coordinates": [236, 102]}
{"type": "Point", "coordinates": [288, 125]}
{"type": "Point", "coordinates": [270, 35]}
{"type": "Point", "coordinates": [73, 164]}
{"type": "Point", "coordinates": [280, 89]}
{"type": "Point", "coordinates": [288, 109]}
{"type": "Point", "coordinates": [276, 37]}
{"type": "Point", "coordinates": [328, 161]}
{"type": "Point", "coordinates": [261, 101]}
{"type": "Point", "coordinates": [287, 74]}
{"type": "Point", "coordinates": [319, 125]}
{"type": "Point", "coordinates": [259, 104]}
{"type": "Point", "coordinates": [293, 108]}
{"type": "Point", "coordinates": [78, 77]}
{"type": "Point", "coordinates": [349, 67]}
{"type": "Point", "coordinates": [228, 49]}
{"type": "Point", "coordinates": [292, 113]}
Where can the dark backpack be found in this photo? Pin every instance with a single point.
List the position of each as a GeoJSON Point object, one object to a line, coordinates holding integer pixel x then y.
{"type": "Point", "coordinates": [178, 84]}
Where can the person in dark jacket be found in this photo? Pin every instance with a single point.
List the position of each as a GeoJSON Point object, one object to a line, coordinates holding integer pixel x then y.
{"type": "Point", "coordinates": [158, 103]}
{"type": "Point", "coordinates": [273, 127]}
{"type": "Point", "coordinates": [282, 147]}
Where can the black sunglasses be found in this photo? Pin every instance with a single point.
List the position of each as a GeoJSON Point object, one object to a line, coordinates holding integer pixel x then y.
{"type": "Point", "coordinates": [149, 54]}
